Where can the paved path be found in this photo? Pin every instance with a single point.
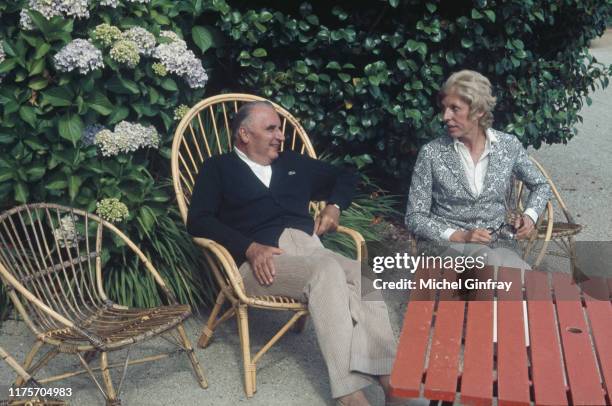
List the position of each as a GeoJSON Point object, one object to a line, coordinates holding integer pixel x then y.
{"type": "Point", "coordinates": [293, 373]}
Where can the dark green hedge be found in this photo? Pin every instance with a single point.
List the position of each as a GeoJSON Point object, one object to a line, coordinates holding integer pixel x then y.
{"type": "Point", "coordinates": [363, 76]}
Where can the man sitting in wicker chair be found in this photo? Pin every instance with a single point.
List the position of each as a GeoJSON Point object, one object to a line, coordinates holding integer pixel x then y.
{"type": "Point", "coordinates": [254, 201]}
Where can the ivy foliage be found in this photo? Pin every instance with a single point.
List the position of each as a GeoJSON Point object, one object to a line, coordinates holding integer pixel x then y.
{"type": "Point", "coordinates": [363, 77]}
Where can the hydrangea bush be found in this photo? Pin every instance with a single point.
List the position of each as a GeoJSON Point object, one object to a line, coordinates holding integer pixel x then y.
{"type": "Point", "coordinates": [87, 112]}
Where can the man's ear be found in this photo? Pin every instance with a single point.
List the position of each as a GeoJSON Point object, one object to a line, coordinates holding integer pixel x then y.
{"type": "Point", "coordinates": [244, 136]}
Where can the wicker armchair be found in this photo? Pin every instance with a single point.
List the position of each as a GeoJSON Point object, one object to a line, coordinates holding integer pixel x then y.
{"type": "Point", "coordinates": [51, 263]}
{"type": "Point", "coordinates": [562, 233]}
{"type": "Point", "coordinates": [203, 132]}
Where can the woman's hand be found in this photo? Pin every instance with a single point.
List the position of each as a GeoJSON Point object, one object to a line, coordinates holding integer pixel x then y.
{"type": "Point", "coordinates": [524, 226]}
{"type": "Point", "coordinates": [478, 235]}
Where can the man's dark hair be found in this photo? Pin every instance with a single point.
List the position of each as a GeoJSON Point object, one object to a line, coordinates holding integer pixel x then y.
{"type": "Point", "coordinates": [244, 113]}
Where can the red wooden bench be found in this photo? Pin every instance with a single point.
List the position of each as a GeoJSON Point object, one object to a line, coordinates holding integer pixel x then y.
{"type": "Point", "coordinates": [447, 349]}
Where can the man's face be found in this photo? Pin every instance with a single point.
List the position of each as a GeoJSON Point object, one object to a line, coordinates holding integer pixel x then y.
{"type": "Point", "coordinates": [456, 116]}
{"type": "Point", "coordinates": [261, 135]}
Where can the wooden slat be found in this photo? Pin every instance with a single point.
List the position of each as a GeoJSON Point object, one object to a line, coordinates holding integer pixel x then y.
{"type": "Point", "coordinates": [443, 369]}
{"type": "Point", "coordinates": [580, 361]}
{"type": "Point", "coordinates": [412, 348]}
{"type": "Point", "coordinates": [512, 369]}
{"type": "Point", "coordinates": [477, 377]}
{"type": "Point", "coordinates": [546, 363]}
{"type": "Point", "coordinates": [599, 311]}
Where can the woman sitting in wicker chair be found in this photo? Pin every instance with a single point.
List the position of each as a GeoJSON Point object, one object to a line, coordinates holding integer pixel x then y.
{"type": "Point", "coordinates": [460, 181]}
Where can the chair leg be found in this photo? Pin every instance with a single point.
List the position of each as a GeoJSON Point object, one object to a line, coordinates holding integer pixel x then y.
{"type": "Point", "coordinates": [300, 325]}
{"type": "Point", "coordinates": [197, 369]}
{"type": "Point", "coordinates": [209, 328]}
{"type": "Point", "coordinates": [111, 396]}
{"type": "Point", "coordinates": [249, 367]}
{"type": "Point", "coordinates": [28, 361]}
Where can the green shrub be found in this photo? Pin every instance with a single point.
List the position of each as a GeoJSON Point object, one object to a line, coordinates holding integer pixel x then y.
{"type": "Point", "coordinates": [363, 76]}
{"type": "Point", "coordinates": [87, 100]}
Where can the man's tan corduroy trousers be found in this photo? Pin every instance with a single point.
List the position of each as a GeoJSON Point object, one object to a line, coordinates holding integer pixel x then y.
{"type": "Point", "coordinates": [355, 336]}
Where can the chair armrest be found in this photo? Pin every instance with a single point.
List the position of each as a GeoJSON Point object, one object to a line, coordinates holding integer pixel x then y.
{"type": "Point", "coordinates": [228, 265]}
{"type": "Point", "coordinates": [360, 244]}
{"type": "Point", "coordinates": [148, 265]}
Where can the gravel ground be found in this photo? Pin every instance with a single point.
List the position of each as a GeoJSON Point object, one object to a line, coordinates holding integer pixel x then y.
{"type": "Point", "coordinates": [293, 372]}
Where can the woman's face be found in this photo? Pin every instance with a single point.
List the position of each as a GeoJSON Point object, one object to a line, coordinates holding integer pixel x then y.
{"type": "Point", "coordinates": [456, 117]}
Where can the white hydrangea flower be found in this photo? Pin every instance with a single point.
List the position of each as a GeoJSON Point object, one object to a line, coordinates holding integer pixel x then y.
{"type": "Point", "coordinates": [110, 3]}
{"type": "Point", "coordinates": [172, 36]}
{"type": "Point", "coordinates": [66, 234]}
{"type": "Point", "coordinates": [105, 140]}
{"type": "Point", "coordinates": [177, 59]}
{"type": "Point", "coordinates": [127, 137]}
{"type": "Point", "coordinates": [144, 40]}
{"type": "Point", "coordinates": [115, 3]}
{"type": "Point", "coordinates": [81, 54]}
{"type": "Point", "coordinates": [52, 8]}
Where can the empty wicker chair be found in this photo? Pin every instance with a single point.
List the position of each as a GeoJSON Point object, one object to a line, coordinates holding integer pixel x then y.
{"type": "Point", "coordinates": [203, 132]}
{"type": "Point", "coordinates": [15, 400]}
{"type": "Point", "coordinates": [51, 263]}
{"type": "Point", "coordinates": [562, 233]}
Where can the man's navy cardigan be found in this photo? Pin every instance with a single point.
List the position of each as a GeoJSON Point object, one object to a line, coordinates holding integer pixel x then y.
{"type": "Point", "coordinates": [231, 206]}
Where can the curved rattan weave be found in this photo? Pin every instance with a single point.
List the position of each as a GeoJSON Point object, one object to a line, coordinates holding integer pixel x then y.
{"type": "Point", "coordinates": [561, 233]}
{"type": "Point", "coordinates": [51, 262]}
{"type": "Point", "coordinates": [203, 132]}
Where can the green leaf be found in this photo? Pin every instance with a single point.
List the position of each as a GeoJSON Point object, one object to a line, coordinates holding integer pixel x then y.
{"type": "Point", "coordinates": [118, 114]}
{"type": "Point", "coordinates": [8, 65]}
{"type": "Point", "coordinates": [344, 77]}
{"type": "Point", "coordinates": [169, 84]}
{"type": "Point", "coordinates": [58, 96]}
{"type": "Point", "coordinates": [202, 37]}
{"type": "Point", "coordinates": [21, 192]}
{"type": "Point", "coordinates": [74, 183]}
{"type": "Point", "coordinates": [6, 174]}
{"type": "Point", "coordinates": [38, 83]}
{"type": "Point", "coordinates": [28, 114]}
{"type": "Point", "coordinates": [466, 42]}
{"type": "Point", "coordinates": [476, 14]}
{"type": "Point", "coordinates": [42, 50]}
{"type": "Point", "coordinates": [100, 103]}
{"type": "Point", "coordinates": [394, 3]}
{"type": "Point", "coordinates": [35, 173]}
{"type": "Point", "coordinates": [333, 65]}
{"type": "Point", "coordinates": [70, 127]}
{"type": "Point", "coordinates": [259, 53]}
{"type": "Point", "coordinates": [431, 7]}
{"type": "Point", "coordinates": [490, 15]}
{"type": "Point", "coordinates": [37, 67]}
{"type": "Point", "coordinates": [287, 101]}
{"type": "Point", "coordinates": [120, 85]}
{"type": "Point", "coordinates": [412, 45]}
{"type": "Point", "coordinates": [56, 185]}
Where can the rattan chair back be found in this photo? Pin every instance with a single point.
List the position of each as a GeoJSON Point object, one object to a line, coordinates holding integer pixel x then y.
{"type": "Point", "coordinates": [206, 131]}
{"type": "Point", "coordinates": [52, 255]}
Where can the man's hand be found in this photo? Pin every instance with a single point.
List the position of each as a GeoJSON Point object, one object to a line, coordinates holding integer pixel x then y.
{"type": "Point", "coordinates": [524, 226]}
{"type": "Point", "coordinates": [260, 258]}
{"type": "Point", "coordinates": [327, 220]}
{"type": "Point", "coordinates": [478, 235]}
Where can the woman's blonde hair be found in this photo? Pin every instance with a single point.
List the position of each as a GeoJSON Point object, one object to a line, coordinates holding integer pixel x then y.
{"type": "Point", "coordinates": [474, 89]}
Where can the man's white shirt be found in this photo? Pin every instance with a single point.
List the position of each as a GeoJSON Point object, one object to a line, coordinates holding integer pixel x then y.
{"type": "Point", "coordinates": [263, 172]}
